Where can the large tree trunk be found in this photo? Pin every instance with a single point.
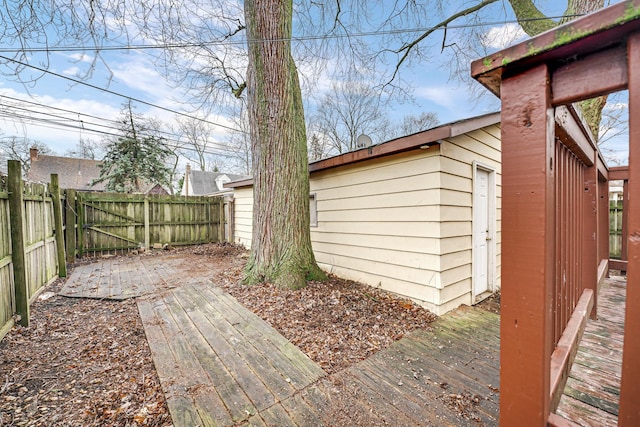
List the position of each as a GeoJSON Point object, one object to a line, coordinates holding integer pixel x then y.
{"type": "Point", "coordinates": [281, 244]}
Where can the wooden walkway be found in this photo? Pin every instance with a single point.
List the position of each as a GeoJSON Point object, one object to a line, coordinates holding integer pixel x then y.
{"type": "Point", "coordinates": [219, 364]}
{"type": "Point", "coordinates": [128, 277]}
{"type": "Point", "coordinates": [592, 393]}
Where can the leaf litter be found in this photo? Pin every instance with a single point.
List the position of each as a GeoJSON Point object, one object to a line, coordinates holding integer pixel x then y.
{"type": "Point", "coordinates": [86, 362]}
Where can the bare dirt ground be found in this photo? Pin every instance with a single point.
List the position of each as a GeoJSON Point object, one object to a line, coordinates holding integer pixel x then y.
{"type": "Point", "coordinates": [87, 362]}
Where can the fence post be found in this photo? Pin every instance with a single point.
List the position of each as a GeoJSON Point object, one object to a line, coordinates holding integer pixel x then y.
{"type": "Point", "coordinates": [57, 219]}
{"type": "Point", "coordinates": [80, 225]}
{"type": "Point", "coordinates": [71, 221]}
{"type": "Point", "coordinates": [221, 219]}
{"type": "Point", "coordinates": [16, 215]}
{"type": "Point", "coordinates": [147, 233]}
{"type": "Point", "coordinates": [232, 220]}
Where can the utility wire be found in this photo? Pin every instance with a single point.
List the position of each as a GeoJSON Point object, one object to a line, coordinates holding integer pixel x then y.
{"type": "Point", "coordinates": [54, 121]}
{"type": "Point", "coordinates": [244, 41]}
{"type": "Point", "coordinates": [109, 91]}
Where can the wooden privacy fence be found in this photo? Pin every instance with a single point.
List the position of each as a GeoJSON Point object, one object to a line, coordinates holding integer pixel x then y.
{"type": "Point", "coordinates": [615, 229]}
{"type": "Point", "coordinates": [29, 257]}
{"type": "Point", "coordinates": [39, 224]}
{"type": "Point", "coordinates": [619, 262]}
{"type": "Point", "coordinates": [111, 222]}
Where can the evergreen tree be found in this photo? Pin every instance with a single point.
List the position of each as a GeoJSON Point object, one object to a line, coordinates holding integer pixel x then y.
{"type": "Point", "coordinates": [136, 158]}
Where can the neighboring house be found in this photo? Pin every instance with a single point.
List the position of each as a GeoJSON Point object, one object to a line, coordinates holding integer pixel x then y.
{"type": "Point", "coordinates": [74, 173]}
{"type": "Point", "coordinates": [418, 216]}
{"type": "Point", "coordinates": [202, 183]}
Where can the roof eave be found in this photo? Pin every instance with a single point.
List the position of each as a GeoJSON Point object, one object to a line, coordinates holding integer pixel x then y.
{"type": "Point", "coordinates": [421, 140]}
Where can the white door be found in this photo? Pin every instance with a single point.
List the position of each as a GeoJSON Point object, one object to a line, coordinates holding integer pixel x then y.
{"type": "Point", "coordinates": [482, 231]}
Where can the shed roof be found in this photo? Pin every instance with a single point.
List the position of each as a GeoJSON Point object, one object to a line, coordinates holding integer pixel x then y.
{"type": "Point", "coordinates": [405, 143]}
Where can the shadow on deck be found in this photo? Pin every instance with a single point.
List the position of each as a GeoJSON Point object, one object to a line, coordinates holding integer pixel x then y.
{"type": "Point", "coordinates": [592, 393]}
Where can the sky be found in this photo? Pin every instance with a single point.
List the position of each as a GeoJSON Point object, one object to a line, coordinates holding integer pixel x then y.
{"type": "Point", "coordinates": [59, 112]}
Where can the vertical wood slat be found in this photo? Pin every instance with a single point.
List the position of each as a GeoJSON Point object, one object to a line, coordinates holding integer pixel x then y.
{"type": "Point", "coordinates": [7, 297]}
{"type": "Point", "coordinates": [589, 268]}
{"type": "Point", "coordinates": [625, 215]}
{"type": "Point", "coordinates": [71, 224]}
{"type": "Point", "coordinates": [528, 248]}
{"type": "Point", "coordinates": [57, 217]}
{"type": "Point", "coordinates": [80, 224]}
{"type": "Point", "coordinates": [170, 219]}
{"type": "Point", "coordinates": [16, 215]}
{"type": "Point", "coordinates": [629, 414]}
{"type": "Point", "coordinates": [147, 232]}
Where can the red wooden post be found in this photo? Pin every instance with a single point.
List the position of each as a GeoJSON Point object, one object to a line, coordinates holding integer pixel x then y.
{"type": "Point", "coordinates": [630, 388]}
{"type": "Point", "coordinates": [589, 262]}
{"type": "Point", "coordinates": [603, 219]}
{"type": "Point", "coordinates": [625, 216]}
{"type": "Point", "coordinates": [528, 252]}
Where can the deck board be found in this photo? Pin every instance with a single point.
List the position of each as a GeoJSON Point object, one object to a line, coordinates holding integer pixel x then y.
{"type": "Point", "coordinates": [592, 393]}
{"type": "Point", "coordinates": [220, 364]}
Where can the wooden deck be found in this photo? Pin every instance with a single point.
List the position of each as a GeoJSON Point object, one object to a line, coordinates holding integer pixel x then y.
{"type": "Point", "coordinates": [219, 364]}
{"type": "Point", "coordinates": [444, 377]}
{"type": "Point", "coordinates": [129, 277]}
{"type": "Point", "coordinates": [592, 393]}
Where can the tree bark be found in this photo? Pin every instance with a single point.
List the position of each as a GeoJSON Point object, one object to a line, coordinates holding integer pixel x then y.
{"type": "Point", "coordinates": [281, 250]}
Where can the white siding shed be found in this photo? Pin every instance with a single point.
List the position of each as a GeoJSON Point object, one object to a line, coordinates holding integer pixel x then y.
{"type": "Point", "coordinates": [418, 216]}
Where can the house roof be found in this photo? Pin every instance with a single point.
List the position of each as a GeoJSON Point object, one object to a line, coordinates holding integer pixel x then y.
{"type": "Point", "coordinates": [205, 183]}
{"type": "Point", "coordinates": [406, 143]}
{"type": "Point", "coordinates": [73, 173]}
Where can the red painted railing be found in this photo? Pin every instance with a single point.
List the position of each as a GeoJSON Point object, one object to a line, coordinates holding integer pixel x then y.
{"type": "Point", "coordinates": [554, 245]}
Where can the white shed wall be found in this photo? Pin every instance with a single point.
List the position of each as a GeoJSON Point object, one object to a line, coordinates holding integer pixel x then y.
{"type": "Point", "coordinates": [243, 206]}
{"type": "Point", "coordinates": [401, 222]}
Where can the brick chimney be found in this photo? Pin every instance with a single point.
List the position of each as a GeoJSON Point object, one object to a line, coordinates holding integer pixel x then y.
{"type": "Point", "coordinates": [33, 153]}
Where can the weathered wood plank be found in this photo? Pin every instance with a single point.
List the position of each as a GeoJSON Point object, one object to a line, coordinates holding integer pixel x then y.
{"type": "Point", "coordinates": [300, 412]}
{"type": "Point", "coordinates": [407, 364]}
{"type": "Point", "coordinates": [271, 366]}
{"type": "Point", "coordinates": [231, 392]}
{"type": "Point", "coordinates": [600, 384]}
{"type": "Point", "coordinates": [256, 328]}
{"type": "Point", "coordinates": [592, 393]}
{"type": "Point", "coordinates": [588, 394]}
{"type": "Point", "coordinates": [276, 415]}
{"type": "Point", "coordinates": [263, 384]}
{"type": "Point", "coordinates": [170, 372]}
{"type": "Point", "coordinates": [584, 414]}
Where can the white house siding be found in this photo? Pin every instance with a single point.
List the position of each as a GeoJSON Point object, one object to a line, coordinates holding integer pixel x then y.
{"type": "Point", "coordinates": [378, 223]}
{"type": "Point", "coordinates": [458, 156]}
{"type": "Point", "coordinates": [243, 207]}
{"type": "Point", "coordinates": [402, 222]}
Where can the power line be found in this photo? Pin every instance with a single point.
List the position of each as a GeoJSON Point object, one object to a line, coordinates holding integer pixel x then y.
{"type": "Point", "coordinates": [244, 41]}
{"type": "Point", "coordinates": [109, 91]}
{"type": "Point", "coordinates": [54, 121]}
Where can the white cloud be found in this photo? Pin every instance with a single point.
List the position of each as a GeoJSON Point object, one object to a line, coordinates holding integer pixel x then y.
{"type": "Point", "coordinates": [81, 57]}
{"type": "Point", "coordinates": [72, 71]}
{"type": "Point", "coordinates": [440, 95]}
{"type": "Point", "coordinates": [503, 36]}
